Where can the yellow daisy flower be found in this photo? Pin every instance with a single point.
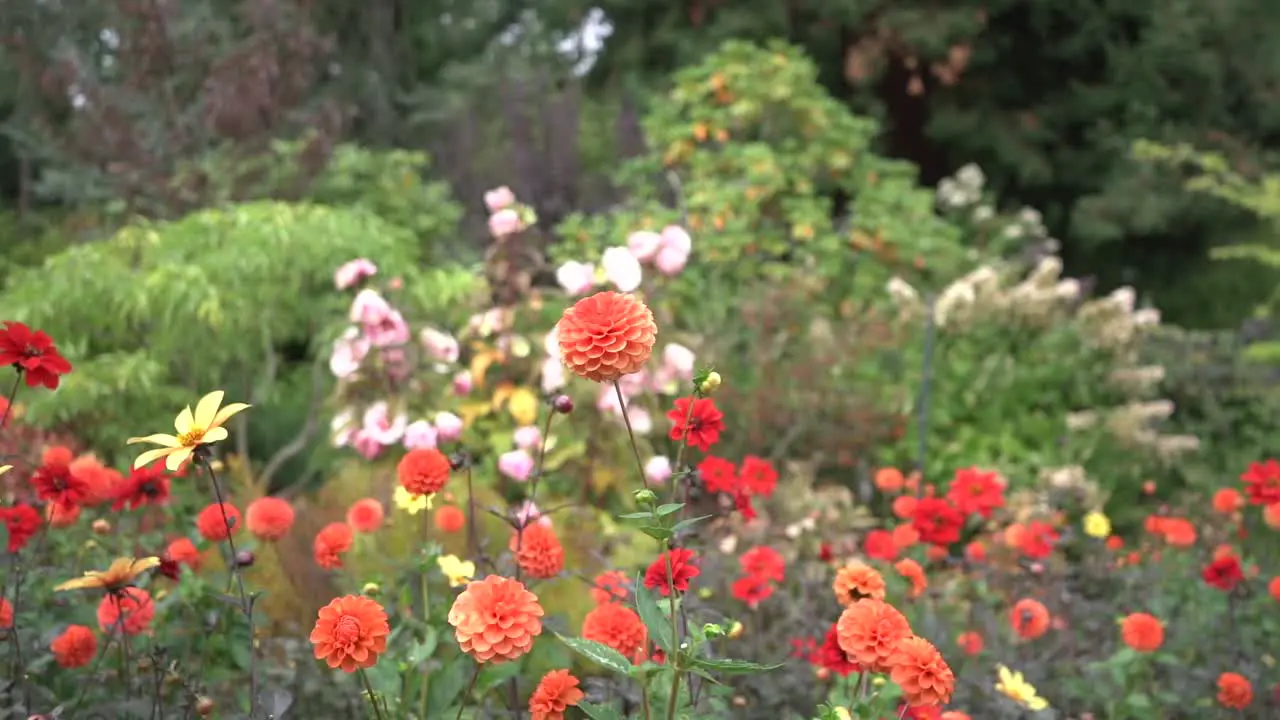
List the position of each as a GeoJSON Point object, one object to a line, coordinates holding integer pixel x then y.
{"type": "Point", "coordinates": [1015, 687]}
{"type": "Point", "coordinates": [459, 571]}
{"type": "Point", "coordinates": [202, 427]}
{"type": "Point", "coordinates": [5, 468]}
{"type": "Point", "coordinates": [1097, 525]}
{"type": "Point", "coordinates": [411, 503]}
{"type": "Point", "coordinates": [121, 573]}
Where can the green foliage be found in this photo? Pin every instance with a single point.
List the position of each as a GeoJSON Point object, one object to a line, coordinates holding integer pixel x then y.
{"type": "Point", "coordinates": [163, 311]}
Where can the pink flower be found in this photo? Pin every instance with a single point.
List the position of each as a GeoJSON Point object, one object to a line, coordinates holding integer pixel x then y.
{"type": "Point", "coordinates": [379, 424]}
{"type": "Point", "coordinates": [352, 272]}
{"type": "Point", "coordinates": [462, 383]}
{"type": "Point", "coordinates": [349, 352]}
{"type": "Point", "coordinates": [440, 345]}
{"type": "Point", "coordinates": [641, 420]}
{"type": "Point", "coordinates": [665, 381]}
{"type": "Point", "coordinates": [552, 375]}
{"type": "Point", "coordinates": [342, 427]}
{"type": "Point", "coordinates": [366, 444]}
{"type": "Point", "coordinates": [529, 513]}
{"type": "Point", "coordinates": [505, 222]}
{"type": "Point", "coordinates": [517, 465]}
{"type": "Point", "coordinates": [633, 384]}
{"type": "Point", "coordinates": [622, 269]}
{"type": "Point", "coordinates": [369, 308]}
{"type": "Point", "coordinates": [657, 469]}
{"type": "Point", "coordinates": [419, 434]}
{"type": "Point", "coordinates": [670, 262]}
{"type": "Point", "coordinates": [576, 278]}
{"type": "Point", "coordinates": [676, 238]}
{"type": "Point", "coordinates": [528, 437]}
{"type": "Point", "coordinates": [644, 244]}
{"type": "Point", "coordinates": [680, 360]}
{"type": "Point", "coordinates": [448, 427]}
{"type": "Point", "coordinates": [391, 330]}
{"type": "Point", "coordinates": [499, 198]}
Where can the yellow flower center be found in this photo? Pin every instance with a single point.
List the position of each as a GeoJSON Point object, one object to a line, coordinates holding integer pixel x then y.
{"type": "Point", "coordinates": [191, 438]}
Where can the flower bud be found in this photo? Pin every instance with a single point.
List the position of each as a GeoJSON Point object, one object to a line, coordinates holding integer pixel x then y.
{"type": "Point", "coordinates": [712, 630]}
{"type": "Point", "coordinates": [563, 404]}
{"type": "Point", "coordinates": [371, 589]}
{"type": "Point", "coordinates": [707, 383]}
{"type": "Point", "coordinates": [736, 630]}
{"type": "Point", "coordinates": [244, 558]}
{"type": "Point", "coordinates": [204, 706]}
{"type": "Point", "coordinates": [645, 497]}
{"type": "Point", "coordinates": [101, 526]}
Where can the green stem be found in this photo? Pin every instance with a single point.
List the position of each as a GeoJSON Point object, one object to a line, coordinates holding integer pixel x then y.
{"type": "Point", "coordinates": [373, 699]}
{"type": "Point", "coordinates": [674, 658]}
{"type": "Point", "coordinates": [426, 616]}
{"type": "Point", "coordinates": [635, 449]}
{"type": "Point", "coordinates": [462, 705]}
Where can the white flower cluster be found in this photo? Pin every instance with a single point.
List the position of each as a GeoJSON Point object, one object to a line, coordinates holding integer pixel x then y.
{"type": "Point", "coordinates": [962, 190]}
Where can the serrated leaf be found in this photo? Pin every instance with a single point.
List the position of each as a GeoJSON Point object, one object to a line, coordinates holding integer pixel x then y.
{"type": "Point", "coordinates": [732, 667]}
{"type": "Point", "coordinates": [598, 712]}
{"type": "Point", "coordinates": [598, 653]}
{"type": "Point", "coordinates": [652, 616]}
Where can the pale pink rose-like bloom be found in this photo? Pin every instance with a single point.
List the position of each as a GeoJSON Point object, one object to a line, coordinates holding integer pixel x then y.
{"type": "Point", "coordinates": [342, 427]}
{"type": "Point", "coordinates": [622, 269]}
{"type": "Point", "coordinates": [517, 465]}
{"type": "Point", "coordinates": [349, 352]}
{"type": "Point", "coordinates": [529, 513]}
{"type": "Point", "coordinates": [499, 198]}
{"type": "Point", "coordinates": [448, 427]}
{"type": "Point", "coordinates": [676, 238]}
{"type": "Point", "coordinates": [462, 383]}
{"type": "Point", "coordinates": [369, 308]}
{"type": "Point", "coordinates": [366, 444]}
{"type": "Point", "coordinates": [352, 272]}
{"type": "Point", "coordinates": [658, 469]}
{"type": "Point", "coordinates": [528, 437]}
{"type": "Point", "coordinates": [419, 435]}
{"type": "Point", "coordinates": [679, 359]}
{"type": "Point", "coordinates": [576, 278]}
{"type": "Point", "coordinates": [504, 222]}
{"type": "Point", "coordinates": [440, 345]}
{"type": "Point", "coordinates": [381, 425]}
{"type": "Point", "coordinates": [670, 261]}
{"type": "Point", "coordinates": [553, 377]}
{"type": "Point", "coordinates": [644, 244]}
{"type": "Point", "coordinates": [641, 420]}
{"type": "Point", "coordinates": [391, 330]}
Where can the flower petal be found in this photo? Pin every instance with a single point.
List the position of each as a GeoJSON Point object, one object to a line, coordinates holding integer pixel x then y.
{"type": "Point", "coordinates": [151, 456]}
{"type": "Point", "coordinates": [207, 409]}
{"type": "Point", "coordinates": [225, 414]}
{"type": "Point", "coordinates": [176, 458]}
{"type": "Point", "coordinates": [213, 435]}
{"type": "Point", "coordinates": [184, 422]}
{"type": "Point", "coordinates": [156, 439]}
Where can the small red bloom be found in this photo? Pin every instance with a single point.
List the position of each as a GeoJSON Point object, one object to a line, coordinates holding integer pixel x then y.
{"type": "Point", "coordinates": [751, 589]}
{"type": "Point", "coordinates": [23, 522]}
{"type": "Point", "coordinates": [682, 571]}
{"type": "Point", "coordinates": [1224, 573]}
{"type": "Point", "coordinates": [937, 521]}
{"type": "Point", "coordinates": [54, 482]}
{"type": "Point", "coordinates": [742, 503]}
{"type": "Point", "coordinates": [974, 491]}
{"type": "Point", "coordinates": [758, 475]}
{"type": "Point", "coordinates": [763, 562]}
{"type": "Point", "coordinates": [147, 485]}
{"type": "Point", "coordinates": [830, 655]}
{"type": "Point", "coordinates": [718, 474]}
{"type": "Point", "coordinates": [705, 423]}
{"type": "Point", "coordinates": [1037, 540]}
{"type": "Point", "coordinates": [879, 545]}
{"type": "Point", "coordinates": [33, 353]}
{"type": "Point", "coordinates": [1262, 482]}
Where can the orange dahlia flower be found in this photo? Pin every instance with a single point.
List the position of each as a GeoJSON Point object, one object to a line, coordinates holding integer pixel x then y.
{"type": "Point", "coordinates": [538, 551]}
{"type": "Point", "coordinates": [869, 632]}
{"type": "Point", "coordinates": [609, 586]}
{"type": "Point", "coordinates": [857, 580]}
{"type": "Point", "coordinates": [1029, 618]}
{"type": "Point", "coordinates": [606, 336]}
{"type": "Point", "coordinates": [331, 542]}
{"type": "Point", "coordinates": [496, 619]}
{"type": "Point", "coordinates": [423, 471]}
{"type": "Point", "coordinates": [557, 691]}
{"type": "Point", "coordinates": [911, 570]}
{"type": "Point", "coordinates": [365, 515]}
{"type": "Point", "coordinates": [75, 647]}
{"type": "Point", "coordinates": [1234, 691]}
{"type": "Point", "coordinates": [130, 610]}
{"type": "Point", "coordinates": [350, 633]}
{"type": "Point", "coordinates": [184, 552]}
{"type": "Point", "coordinates": [449, 519]}
{"type": "Point", "coordinates": [970, 642]}
{"type": "Point", "coordinates": [1142, 632]}
{"type": "Point", "coordinates": [269, 518]}
{"type": "Point", "coordinates": [617, 626]}
{"type": "Point", "coordinates": [217, 522]}
{"type": "Point", "coordinates": [918, 668]}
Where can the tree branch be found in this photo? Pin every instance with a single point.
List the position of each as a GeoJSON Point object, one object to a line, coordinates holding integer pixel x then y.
{"type": "Point", "coordinates": [299, 441]}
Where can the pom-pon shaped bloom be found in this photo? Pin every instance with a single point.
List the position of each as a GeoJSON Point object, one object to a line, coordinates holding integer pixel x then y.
{"type": "Point", "coordinates": [74, 647]}
{"type": "Point", "coordinates": [605, 336]}
{"type": "Point", "coordinates": [870, 630]}
{"type": "Point", "coordinates": [538, 551]}
{"type": "Point", "coordinates": [350, 633]}
{"type": "Point", "coordinates": [1142, 632]}
{"type": "Point", "coordinates": [202, 427]}
{"type": "Point", "coordinates": [423, 471]}
{"type": "Point", "coordinates": [617, 626]}
{"type": "Point", "coordinates": [496, 619]}
{"type": "Point", "coordinates": [918, 668]}
{"type": "Point", "coordinates": [130, 611]}
{"type": "Point", "coordinates": [857, 580]}
{"type": "Point", "coordinates": [269, 518]}
{"type": "Point", "coordinates": [556, 692]}
{"type": "Point", "coordinates": [331, 543]}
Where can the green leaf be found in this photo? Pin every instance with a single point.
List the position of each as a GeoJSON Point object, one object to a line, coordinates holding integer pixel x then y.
{"type": "Point", "coordinates": [667, 509]}
{"type": "Point", "coordinates": [688, 523]}
{"type": "Point", "coordinates": [491, 676]}
{"type": "Point", "coordinates": [448, 684]}
{"type": "Point", "coordinates": [4, 537]}
{"type": "Point", "coordinates": [657, 533]}
{"type": "Point", "coordinates": [636, 516]}
{"type": "Point", "coordinates": [652, 616]}
{"type": "Point", "coordinates": [598, 712]}
{"type": "Point", "coordinates": [732, 667]}
{"type": "Point", "coordinates": [599, 653]}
